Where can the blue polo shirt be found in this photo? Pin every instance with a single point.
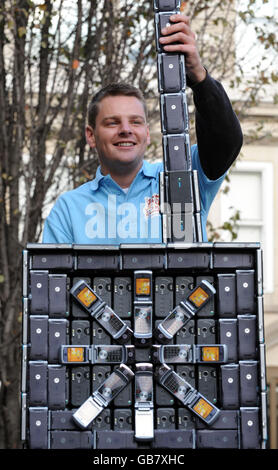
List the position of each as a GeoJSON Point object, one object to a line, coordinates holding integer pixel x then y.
{"type": "Point", "coordinates": [101, 212]}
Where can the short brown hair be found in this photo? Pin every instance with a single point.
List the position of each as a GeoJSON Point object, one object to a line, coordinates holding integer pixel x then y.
{"type": "Point", "coordinates": [113, 89]}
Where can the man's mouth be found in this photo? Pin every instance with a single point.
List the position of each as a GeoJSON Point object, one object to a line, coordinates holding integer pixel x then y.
{"type": "Point", "coordinates": [125, 144]}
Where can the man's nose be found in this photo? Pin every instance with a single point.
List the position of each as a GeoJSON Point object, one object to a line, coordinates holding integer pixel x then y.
{"type": "Point", "coordinates": [125, 127]}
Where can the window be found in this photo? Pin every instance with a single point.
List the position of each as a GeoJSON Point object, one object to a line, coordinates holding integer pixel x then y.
{"type": "Point", "coordinates": [251, 192]}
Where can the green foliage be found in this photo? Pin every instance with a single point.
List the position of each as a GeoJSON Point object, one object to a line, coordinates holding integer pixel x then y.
{"type": "Point", "coordinates": [230, 228]}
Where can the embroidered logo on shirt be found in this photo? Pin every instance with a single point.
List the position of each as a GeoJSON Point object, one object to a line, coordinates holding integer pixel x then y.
{"type": "Point", "coordinates": [151, 207]}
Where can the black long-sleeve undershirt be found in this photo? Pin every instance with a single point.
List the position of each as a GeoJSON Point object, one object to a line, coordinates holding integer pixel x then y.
{"type": "Point", "coordinates": [218, 131]}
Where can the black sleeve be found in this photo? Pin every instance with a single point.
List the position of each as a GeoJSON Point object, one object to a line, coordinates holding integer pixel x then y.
{"type": "Point", "coordinates": [218, 131]}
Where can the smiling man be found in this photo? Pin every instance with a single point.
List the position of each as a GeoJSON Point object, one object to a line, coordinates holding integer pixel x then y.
{"type": "Point", "coordinates": [121, 204]}
{"type": "Point", "coordinates": [119, 131]}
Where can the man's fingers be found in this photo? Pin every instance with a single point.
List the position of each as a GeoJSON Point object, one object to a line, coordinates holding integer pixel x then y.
{"type": "Point", "coordinates": [179, 17]}
{"type": "Point", "coordinates": [188, 49]}
{"type": "Point", "coordinates": [178, 27]}
{"type": "Point", "coordinates": [177, 37]}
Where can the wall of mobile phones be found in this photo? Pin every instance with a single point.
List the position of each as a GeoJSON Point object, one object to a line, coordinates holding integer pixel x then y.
{"type": "Point", "coordinates": [136, 346]}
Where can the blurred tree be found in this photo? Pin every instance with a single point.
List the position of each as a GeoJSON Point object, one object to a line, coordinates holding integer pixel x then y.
{"type": "Point", "coordinates": [53, 56]}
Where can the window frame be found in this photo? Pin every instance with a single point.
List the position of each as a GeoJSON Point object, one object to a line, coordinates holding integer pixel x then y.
{"type": "Point", "coordinates": [267, 222]}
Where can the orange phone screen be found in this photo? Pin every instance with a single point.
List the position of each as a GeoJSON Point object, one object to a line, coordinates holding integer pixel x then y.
{"type": "Point", "coordinates": [75, 354]}
{"type": "Point", "coordinates": [143, 286]}
{"type": "Point", "coordinates": [203, 408]}
{"type": "Point", "coordinates": [198, 297]}
{"type": "Point", "coordinates": [86, 297]}
{"type": "Point", "coordinates": [210, 353]}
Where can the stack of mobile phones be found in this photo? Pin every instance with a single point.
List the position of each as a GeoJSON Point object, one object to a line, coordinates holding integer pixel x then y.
{"type": "Point", "coordinates": [201, 384]}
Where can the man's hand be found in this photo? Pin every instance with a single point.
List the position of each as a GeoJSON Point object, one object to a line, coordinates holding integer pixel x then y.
{"type": "Point", "coordinates": [181, 33]}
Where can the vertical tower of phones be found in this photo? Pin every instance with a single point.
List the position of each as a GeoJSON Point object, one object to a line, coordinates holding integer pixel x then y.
{"type": "Point", "coordinates": [180, 201]}
{"type": "Point", "coordinates": [147, 346]}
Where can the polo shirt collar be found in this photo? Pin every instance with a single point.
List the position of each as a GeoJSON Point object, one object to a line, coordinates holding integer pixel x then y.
{"type": "Point", "coordinates": [147, 169]}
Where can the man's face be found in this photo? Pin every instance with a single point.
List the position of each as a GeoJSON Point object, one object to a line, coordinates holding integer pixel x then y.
{"type": "Point", "coordinates": [121, 134]}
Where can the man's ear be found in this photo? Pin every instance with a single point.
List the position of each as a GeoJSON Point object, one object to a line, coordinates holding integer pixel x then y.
{"type": "Point", "coordinates": [90, 136]}
{"type": "Point", "coordinates": [148, 136]}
